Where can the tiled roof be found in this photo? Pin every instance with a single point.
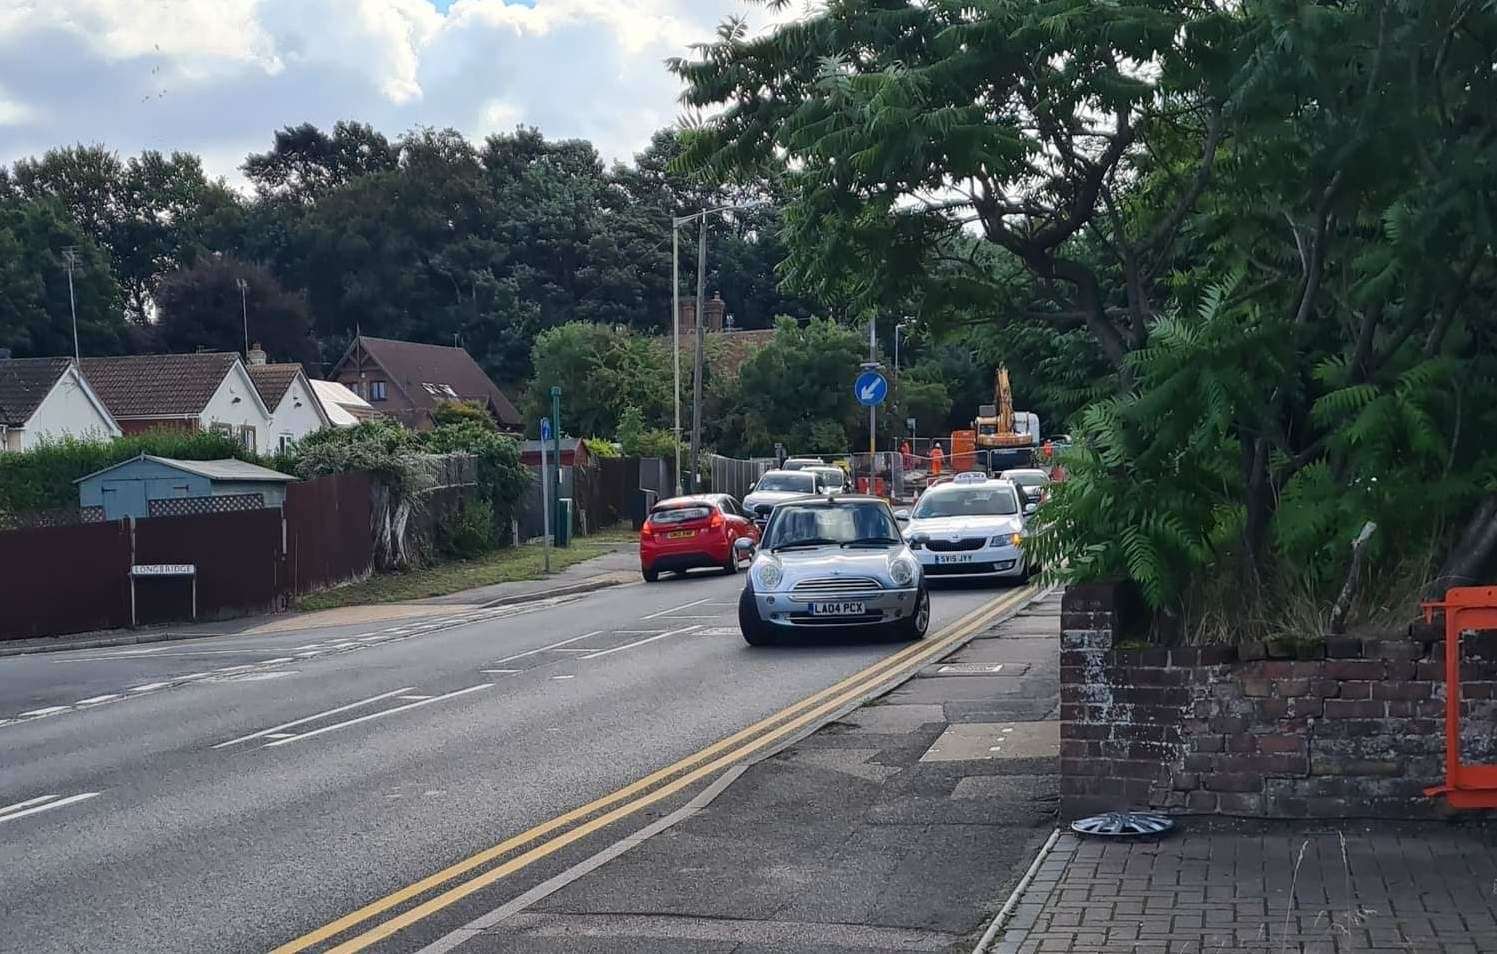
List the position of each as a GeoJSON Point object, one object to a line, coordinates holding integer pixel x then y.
{"type": "Point", "coordinates": [24, 383]}
{"type": "Point", "coordinates": [272, 380]}
{"type": "Point", "coordinates": [150, 385]}
{"type": "Point", "coordinates": [426, 372]}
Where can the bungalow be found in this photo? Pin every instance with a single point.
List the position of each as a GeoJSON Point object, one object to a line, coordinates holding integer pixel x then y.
{"type": "Point", "coordinates": [295, 410]}
{"type": "Point", "coordinates": [407, 380]}
{"type": "Point", "coordinates": [47, 399]}
{"type": "Point", "coordinates": [208, 391]}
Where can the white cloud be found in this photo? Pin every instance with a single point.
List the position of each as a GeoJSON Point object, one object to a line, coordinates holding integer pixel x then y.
{"type": "Point", "coordinates": [218, 77]}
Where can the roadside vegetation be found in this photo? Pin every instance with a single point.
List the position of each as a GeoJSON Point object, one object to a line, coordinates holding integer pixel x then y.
{"type": "Point", "coordinates": [525, 562]}
{"type": "Point", "coordinates": [1244, 250]}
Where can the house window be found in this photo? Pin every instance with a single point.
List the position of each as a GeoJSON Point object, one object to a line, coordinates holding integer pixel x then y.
{"type": "Point", "coordinates": [376, 390]}
{"type": "Point", "coordinates": [285, 443]}
{"type": "Point", "coordinates": [247, 437]}
{"type": "Point", "coordinates": [225, 430]}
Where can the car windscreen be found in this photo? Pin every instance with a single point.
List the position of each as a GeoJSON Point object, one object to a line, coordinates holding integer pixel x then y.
{"type": "Point", "coordinates": [1028, 480]}
{"type": "Point", "coordinates": [830, 476]}
{"type": "Point", "coordinates": [798, 483]}
{"type": "Point", "coordinates": [967, 502]}
{"type": "Point", "coordinates": [829, 524]}
{"type": "Point", "coordinates": [679, 514]}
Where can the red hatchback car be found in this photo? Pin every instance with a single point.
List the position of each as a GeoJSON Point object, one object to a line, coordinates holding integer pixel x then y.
{"type": "Point", "coordinates": [686, 532]}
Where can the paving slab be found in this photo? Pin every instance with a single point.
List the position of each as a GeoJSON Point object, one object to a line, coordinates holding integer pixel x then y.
{"type": "Point", "coordinates": [970, 741]}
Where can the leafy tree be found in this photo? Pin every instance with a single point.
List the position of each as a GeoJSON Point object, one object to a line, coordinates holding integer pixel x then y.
{"type": "Point", "coordinates": [639, 440]}
{"type": "Point", "coordinates": [602, 371]}
{"type": "Point", "coordinates": [35, 313]}
{"type": "Point", "coordinates": [201, 308]}
{"type": "Point", "coordinates": [304, 163]}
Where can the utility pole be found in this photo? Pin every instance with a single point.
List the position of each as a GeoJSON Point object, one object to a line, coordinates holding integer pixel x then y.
{"type": "Point", "coordinates": [244, 311]}
{"type": "Point", "coordinates": [696, 378]}
{"type": "Point", "coordinates": [70, 259]}
{"type": "Point", "coordinates": [676, 335]}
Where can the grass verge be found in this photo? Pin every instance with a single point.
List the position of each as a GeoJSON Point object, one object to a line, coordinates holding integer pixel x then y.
{"type": "Point", "coordinates": [502, 566]}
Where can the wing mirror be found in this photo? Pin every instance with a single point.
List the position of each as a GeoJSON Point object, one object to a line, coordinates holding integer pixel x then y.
{"type": "Point", "coordinates": [744, 548]}
{"type": "Point", "coordinates": [1030, 508]}
{"type": "Point", "coordinates": [902, 515]}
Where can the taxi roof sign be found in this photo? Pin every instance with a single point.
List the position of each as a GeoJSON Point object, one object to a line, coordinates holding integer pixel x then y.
{"type": "Point", "coordinates": [971, 477]}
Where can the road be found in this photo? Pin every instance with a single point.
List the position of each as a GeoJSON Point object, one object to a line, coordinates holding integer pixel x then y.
{"type": "Point", "coordinates": [232, 794]}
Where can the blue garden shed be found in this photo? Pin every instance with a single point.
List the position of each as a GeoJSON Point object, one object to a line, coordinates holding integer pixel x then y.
{"type": "Point", "coordinates": [149, 486]}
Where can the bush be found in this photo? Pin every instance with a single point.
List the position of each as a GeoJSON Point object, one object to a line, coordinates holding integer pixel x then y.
{"type": "Point", "coordinates": [469, 532]}
{"type": "Point", "coordinates": [502, 479]}
{"type": "Point", "coordinates": [43, 478]}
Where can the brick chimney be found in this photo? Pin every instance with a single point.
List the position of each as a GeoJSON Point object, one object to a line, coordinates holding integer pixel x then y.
{"type": "Point", "coordinates": [686, 320]}
{"type": "Point", "coordinates": [712, 313]}
{"type": "Point", "coordinates": [256, 355]}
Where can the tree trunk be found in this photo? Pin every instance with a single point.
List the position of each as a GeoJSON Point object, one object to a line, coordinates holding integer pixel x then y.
{"type": "Point", "coordinates": [1256, 502]}
{"type": "Point", "coordinates": [1464, 564]}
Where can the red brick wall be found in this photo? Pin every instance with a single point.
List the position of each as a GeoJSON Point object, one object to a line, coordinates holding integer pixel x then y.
{"type": "Point", "coordinates": [1354, 728]}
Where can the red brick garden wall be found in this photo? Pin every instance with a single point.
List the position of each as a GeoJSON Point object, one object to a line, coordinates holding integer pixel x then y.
{"type": "Point", "coordinates": [1352, 728]}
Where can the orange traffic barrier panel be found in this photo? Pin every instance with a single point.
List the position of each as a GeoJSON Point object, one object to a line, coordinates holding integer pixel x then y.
{"type": "Point", "coordinates": [1467, 609]}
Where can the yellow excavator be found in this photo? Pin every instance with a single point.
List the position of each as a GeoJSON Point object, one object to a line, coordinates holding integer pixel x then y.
{"type": "Point", "coordinates": [998, 425]}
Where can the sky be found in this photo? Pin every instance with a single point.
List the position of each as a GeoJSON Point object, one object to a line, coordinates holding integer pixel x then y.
{"type": "Point", "coordinates": [218, 77]}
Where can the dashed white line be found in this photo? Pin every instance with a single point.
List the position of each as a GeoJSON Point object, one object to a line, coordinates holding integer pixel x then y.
{"type": "Point", "coordinates": [148, 687]}
{"type": "Point", "coordinates": [47, 711]}
{"type": "Point", "coordinates": [93, 699]}
{"type": "Point", "coordinates": [312, 718]}
{"type": "Point", "coordinates": [28, 803]}
{"type": "Point", "coordinates": [412, 698]}
{"type": "Point", "coordinates": [378, 715]}
{"type": "Point", "coordinates": [570, 676]}
{"type": "Point", "coordinates": [640, 642]}
{"type": "Point", "coordinates": [532, 652]}
{"type": "Point", "coordinates": [70, 800]}
{"type": "Point", "coordinates": [277, 661]}
{"type": "Point", "coordinates": [500, 672]}
{"type": "Point", "coordinates": [675, 608]}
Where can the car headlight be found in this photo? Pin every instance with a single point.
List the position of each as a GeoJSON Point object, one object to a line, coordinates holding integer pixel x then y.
{"type": "Point", "coordinates": [902, 571]}
{"type": "Point", "coordinates": [1007, 540]}
{"type": "Point", "coordinates": [769, 574]}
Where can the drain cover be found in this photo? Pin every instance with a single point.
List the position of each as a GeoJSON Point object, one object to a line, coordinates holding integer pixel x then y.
{"type": "Point", "coordinates": [1124, 824]}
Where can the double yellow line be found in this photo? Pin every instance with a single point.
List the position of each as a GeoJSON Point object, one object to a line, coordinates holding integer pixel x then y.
{"type": "Point", "coordinates": [640, 794]}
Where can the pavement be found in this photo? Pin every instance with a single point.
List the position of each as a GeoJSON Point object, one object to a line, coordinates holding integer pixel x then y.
{"type": "Point", "coordinates": [234, 793]}
{"type": "Point", "coordinates": [616, 568]}
{"type": "Point", "coordinates": [899, 826]}
{"type": "Point", "coordinates": [1265, 888]}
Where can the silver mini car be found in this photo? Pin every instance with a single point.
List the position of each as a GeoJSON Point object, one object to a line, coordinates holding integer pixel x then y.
{"type": "Point", "coordinates": [832, 562]}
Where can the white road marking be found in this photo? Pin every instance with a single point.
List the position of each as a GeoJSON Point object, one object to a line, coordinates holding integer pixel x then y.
{"type": "Point", "coordinates": [412, 698]}
{"type": "Point", "coordinates": [71, 799]}
{"type": "Point", "coordinates": [532, 652]}
{"type": "Point", "coordinates": [571, 676]}
{"type": "Point", "coordinates": [276, 661]}
{"type": "Point", "coordinates": [499, 672]}
{"type": "Point", "coordinates": [309, 654]}
{"type": "Point", "coordinates": [637, 632]}
{"type": "Point", "coordinates": [93, 699]}
{"type": "Point", "coordinates": [311, 718]}
{"type": "Point", "coordinates": [571, 650]}
{"type": "Point", "coordinates": [28, 803]}
{"type": "Point", "coordinates": [714, 616]}
{"type": "Point", "coordinates": [234, 668]}
{"type": "Point", "coordinates": [280, 735]}
{"type": "Point", "coordinates": [378, 715]}
{"type": "Point", "coordinates": [639, 642]}
{"type": "Point", "coordinates": [149, 687]}
{"type": "Point", "coordinates": [674, 608]}
{"type": "Point", "coordinates": [47, 711]}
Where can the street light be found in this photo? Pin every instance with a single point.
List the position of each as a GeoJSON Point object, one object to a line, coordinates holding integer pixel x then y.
{"type": "Point", "coordinates": [244, 312]}
{"type": "Point", "coordinates": [70, 259]}
{"type": "Point", "coordinates": [696, 381]}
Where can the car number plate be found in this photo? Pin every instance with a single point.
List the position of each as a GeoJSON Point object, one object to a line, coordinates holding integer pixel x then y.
{"type": "Point", "coordinates": [844, 608]}
{"type": "Point", "coordinates": [680, 534]}
{"type": "Point", "coordinates": [953, 558]}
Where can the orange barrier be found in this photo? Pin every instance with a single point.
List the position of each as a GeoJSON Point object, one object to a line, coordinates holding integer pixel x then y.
{"type": "Point", "coordinates": [1466, 608]}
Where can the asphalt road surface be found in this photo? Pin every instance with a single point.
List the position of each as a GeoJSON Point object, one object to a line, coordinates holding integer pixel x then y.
{"type": "Point", "coordinates": [235, 793]}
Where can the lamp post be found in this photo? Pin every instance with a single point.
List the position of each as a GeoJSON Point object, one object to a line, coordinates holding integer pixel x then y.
{"type": "Point", "coordinates": [696, 386]}
{"type": "Point", "coordinates": [70, 259]}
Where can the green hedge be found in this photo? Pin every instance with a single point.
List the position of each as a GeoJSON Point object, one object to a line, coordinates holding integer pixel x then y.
{"type": "Point", "coordinates": [42, 478]}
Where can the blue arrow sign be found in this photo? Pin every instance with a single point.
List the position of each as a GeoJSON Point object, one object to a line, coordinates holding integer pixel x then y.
{"type": "Point", "coordinates": [545, 428]}
{"type": "Point", "coordinates": [871, 388]}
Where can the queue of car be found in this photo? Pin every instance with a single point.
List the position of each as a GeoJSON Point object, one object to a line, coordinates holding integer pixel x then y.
{"type": "Point", "coordinates": [819, 557]}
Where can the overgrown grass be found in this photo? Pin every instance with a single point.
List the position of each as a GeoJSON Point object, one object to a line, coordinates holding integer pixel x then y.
{"type": "Point", "coordinates": [501, 566]}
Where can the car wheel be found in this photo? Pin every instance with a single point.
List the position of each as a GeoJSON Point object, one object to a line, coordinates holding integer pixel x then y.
{"type": "Point", "coordinates": [731, 566]}
{"type": "Point", "coordinates": [651, 576]}
{"type": "Point", "coordinates": [915, 625]}
{"type": "Point", "coordinates": [755, 632]}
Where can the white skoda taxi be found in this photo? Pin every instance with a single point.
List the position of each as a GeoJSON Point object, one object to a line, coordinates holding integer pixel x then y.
{"type": "Point", "coordinates": [972, 527]}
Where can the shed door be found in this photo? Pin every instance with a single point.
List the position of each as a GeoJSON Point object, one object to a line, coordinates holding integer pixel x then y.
{"type": "Point", "coordinates": [124, 498]}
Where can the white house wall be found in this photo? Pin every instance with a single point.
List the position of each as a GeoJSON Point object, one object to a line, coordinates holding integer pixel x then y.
{"type": "Point", "coordinates": [66, 411]}
{"type": "Point", "coordinates": [236, 404]}
{"type": "Point", "coordinates": [295, 417]}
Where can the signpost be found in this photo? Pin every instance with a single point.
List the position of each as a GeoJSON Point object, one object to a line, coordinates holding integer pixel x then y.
{"type": "Point", "coordinates": [871, 388]}
{"type": "Point", "coordinates": [545, 495]}
{"type": "Point", "coordinates": [163, 569]}
{"type": "Point", "coordinates": [556, 450]}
